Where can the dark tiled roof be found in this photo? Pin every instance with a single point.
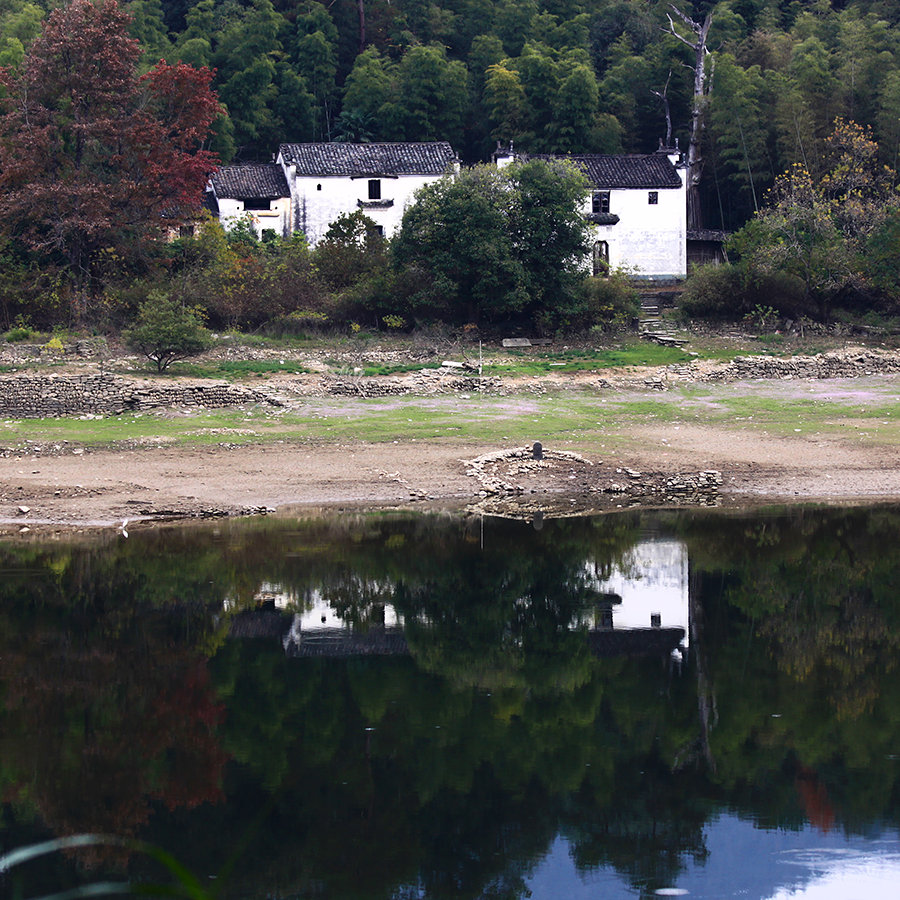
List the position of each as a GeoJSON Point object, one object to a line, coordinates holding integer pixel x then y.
{"type": "Point", "coordinates": [634, 641]}
{"type": "Point", "coordinates": [265, 181]}
{"type": "Point", "coordinates": [405, 158]}
{"type": "Point", "coordinates": [652, 171]}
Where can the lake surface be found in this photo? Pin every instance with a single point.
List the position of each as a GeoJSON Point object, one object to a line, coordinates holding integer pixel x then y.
{"type": "Point", "coordinates": [373, 705]}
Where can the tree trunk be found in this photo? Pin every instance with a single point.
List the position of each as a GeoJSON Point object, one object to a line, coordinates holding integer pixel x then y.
{"type": "Point", "coordinates": [702, 87]}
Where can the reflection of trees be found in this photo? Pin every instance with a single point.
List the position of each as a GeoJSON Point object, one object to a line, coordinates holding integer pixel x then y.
{"type": "Point", "coordinates": [813, 591]}
{"type": "Point", "coordinates": [451, 770]}
{"type": "Point", "coordinates": [107, 709]}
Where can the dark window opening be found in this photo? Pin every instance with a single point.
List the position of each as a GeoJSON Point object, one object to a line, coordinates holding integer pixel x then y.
{"type": "Point", "coordinates": [375, 189]}
{"type": "Point", "coordinates": [257, 203]}
{"type": "Point", "coordinates": [186, 231]}
{"type": "Point", "coordinates": [379, 230]}
{"type": "Point", "coordinates": [653, 198]}
{"type": "Point", "coordinates": [600, 202]}
{"type": "Point", "coordinates": [318, 187]}
{"type": "Point", "coordinates": [601, 258]}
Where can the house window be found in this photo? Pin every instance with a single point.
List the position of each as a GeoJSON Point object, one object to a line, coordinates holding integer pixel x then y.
{"type": "Point", "coordinates": [653, 198]}
{"type": "Point", "coordinates": [601, 258]}
{"type": "Point", "coordinates": [257, 203]}
{"type": "Point", "coordinates": [600, 202]}
{"type": "Point", "coordinates": [318, 187]}
{"type": "Point", "coordinates": [186, 231]}
{"type": "Point", "coordinates": [379, 230]}
{"type": "Point", "coordinates": [375, 189]}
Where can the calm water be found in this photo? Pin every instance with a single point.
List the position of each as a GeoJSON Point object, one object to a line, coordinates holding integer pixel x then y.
{"type": "Point", "coordinates": [373, 706]}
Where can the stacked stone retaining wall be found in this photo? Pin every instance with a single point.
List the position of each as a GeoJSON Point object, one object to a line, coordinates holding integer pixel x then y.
{"type": "Point", "coordinates": [47, 396]}
{"type": "Point", "coordinates": [849, 363]}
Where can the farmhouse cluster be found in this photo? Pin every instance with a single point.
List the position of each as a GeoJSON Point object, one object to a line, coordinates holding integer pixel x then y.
{"type": "Point", "coordinates": [636, 204]}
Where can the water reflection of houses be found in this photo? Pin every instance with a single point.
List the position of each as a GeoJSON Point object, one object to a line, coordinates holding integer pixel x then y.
{"type": "Point", "coordinates": [639, 607]}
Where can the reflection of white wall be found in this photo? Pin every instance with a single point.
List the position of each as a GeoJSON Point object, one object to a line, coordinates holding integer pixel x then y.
{"type": "Point", "coordinates": [312, 611]}
{"type": "Point", "coordinates": [321, 616]}
{"type": "Point", "coordinates": [653, 578]}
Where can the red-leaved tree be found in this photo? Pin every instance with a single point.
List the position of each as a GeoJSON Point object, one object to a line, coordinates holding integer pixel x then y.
{"type": "Point", "coordinates": [95, 159]}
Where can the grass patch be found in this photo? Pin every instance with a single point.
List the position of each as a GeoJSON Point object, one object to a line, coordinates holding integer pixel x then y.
{"type": "Point", "coordinates": [240, 368]}
{"type": "Point", "coordinates": [577, 420]}
{"type": "Point", "coordinates": [586, 360]}
{"type": "Point", "coordinates": [399, 369]}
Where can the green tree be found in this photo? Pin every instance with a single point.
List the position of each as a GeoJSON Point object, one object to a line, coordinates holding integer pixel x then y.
{"type": "Point", "coordinates": [457, 233]}
{"type": "Point", "coordinates": [551, 234]}
{"type": "Point", "coordinates": [432, 95]}
{"type": "Point", "coordinates": [166, 331]}
{"type": "Point", "coordinates": [497, 244]}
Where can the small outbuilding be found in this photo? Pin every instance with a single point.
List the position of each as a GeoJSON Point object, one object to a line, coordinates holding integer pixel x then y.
{"type": "Point", "coordinates": [327, 180]}
{"type": "Point", "coordinates": [258, 192]}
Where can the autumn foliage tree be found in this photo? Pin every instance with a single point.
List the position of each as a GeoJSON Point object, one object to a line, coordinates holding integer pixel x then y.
{"type": "Point", "coordinates": [96, 160]}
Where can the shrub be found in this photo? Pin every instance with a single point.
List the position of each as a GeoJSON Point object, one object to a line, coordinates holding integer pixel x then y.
{"type": "Point", "coordinates": [166, 331]}
{"type": "Point", "coordinates": [606, 304]}
{"type": "Point", "coordinates": [729, 292]}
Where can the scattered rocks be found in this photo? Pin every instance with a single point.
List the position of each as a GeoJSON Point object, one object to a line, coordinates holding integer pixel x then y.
{"type": "Point", "coordinates": [850, 362]}
{"type": "Point", "coordinates": [515, 472]}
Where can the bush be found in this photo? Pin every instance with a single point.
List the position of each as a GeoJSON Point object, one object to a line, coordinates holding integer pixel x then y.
{"type": "Point", "coordinates": [166, 331]}
{"type": "Point", "coordinates": [728, 293]}
{"type": "Point", "coordinates": [605, 304]}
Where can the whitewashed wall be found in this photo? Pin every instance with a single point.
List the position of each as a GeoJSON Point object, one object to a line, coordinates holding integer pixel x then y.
{"type": "Point", "coordinates": [318, 201]}
{"type": "Point", "coordinates": [649, 240]}
{"type": "Point", "coordinates": [276, 219]}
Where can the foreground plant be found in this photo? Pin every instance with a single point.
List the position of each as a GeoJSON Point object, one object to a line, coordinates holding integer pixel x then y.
{"type": "Point", "coordinates": [183, 882]}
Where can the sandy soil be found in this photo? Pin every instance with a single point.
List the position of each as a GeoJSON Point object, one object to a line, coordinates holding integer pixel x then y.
{"type": "Point", "coordinates": [107, 486]}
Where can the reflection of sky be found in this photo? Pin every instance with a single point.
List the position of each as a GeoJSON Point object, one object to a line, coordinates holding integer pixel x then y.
{"type": "Point", "coordinates": [748, 863]}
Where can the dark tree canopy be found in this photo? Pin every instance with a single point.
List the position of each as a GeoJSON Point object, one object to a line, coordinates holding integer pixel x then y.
{"type": "Point", "coordinates": [95, 158]}
{"type": "Point", "coordinates": [497, 244]}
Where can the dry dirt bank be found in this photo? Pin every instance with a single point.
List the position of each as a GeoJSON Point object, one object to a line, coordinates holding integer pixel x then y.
{"type": "Point", "coordinates": [105, 487]}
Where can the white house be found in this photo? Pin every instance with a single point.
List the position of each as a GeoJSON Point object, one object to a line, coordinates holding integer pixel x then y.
{"type": "Point", "coordinates": [258, 191]}
{"type": "Point", "coordinates": [638, 207]}
{"type": "Point", "coordinates": [328, 180]}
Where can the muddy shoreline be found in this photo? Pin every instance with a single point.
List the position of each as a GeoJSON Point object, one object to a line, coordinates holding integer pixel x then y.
{"type": "Point", "coordinates": [103, 488]}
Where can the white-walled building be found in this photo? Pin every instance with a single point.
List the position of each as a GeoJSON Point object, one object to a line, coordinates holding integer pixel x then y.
{"type": "Point", "coordinates": [258, 191]}
{"type": "Point", "coordinates": [638, 207]}
{"type": "Point", "coordinates": [637, 203]}
{"type": "Point", "coordinates": [327, 180]}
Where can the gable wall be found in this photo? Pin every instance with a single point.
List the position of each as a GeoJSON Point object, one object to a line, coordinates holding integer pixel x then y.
{"type": "Point", "coordinates": [276, 219]}
{"type": "Point", "coordinates": [314, 210]}
{"type": "Point", "coordinates": [649, 239]}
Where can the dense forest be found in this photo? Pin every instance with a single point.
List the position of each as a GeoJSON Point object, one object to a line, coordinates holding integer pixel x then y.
{"type": "Point", "coordinates": [553, 76]}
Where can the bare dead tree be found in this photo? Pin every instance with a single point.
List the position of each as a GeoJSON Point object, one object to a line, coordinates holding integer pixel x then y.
{"type": "Point", "coordinates": [696, 39]}
{"type": "Point", "coordinates": [664, 98]}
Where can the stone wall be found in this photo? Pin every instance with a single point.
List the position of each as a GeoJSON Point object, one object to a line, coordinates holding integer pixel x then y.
{"type": "Point", "coordinates": [849, 363]}
{"type": "Point", "coordinates": [46, 396]}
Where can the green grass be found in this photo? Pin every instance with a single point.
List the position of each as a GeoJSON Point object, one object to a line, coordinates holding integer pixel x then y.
{"type": "Point", "coordinates": [398, 369]}
{"type": "Point", "coordinates": [240, 368]}
{"type": "Point", "coordinates": [579, 420]}
{"type": "Point", "coordinates": [640, 353]}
